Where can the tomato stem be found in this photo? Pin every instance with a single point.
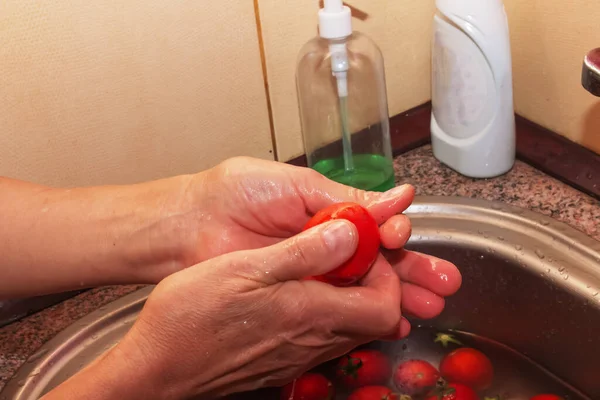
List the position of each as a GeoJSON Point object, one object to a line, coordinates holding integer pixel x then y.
{"type": "Point", "coordinates": [445, 338]}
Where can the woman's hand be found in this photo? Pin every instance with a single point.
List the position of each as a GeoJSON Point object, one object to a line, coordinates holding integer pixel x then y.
{"type": "Point", "coordinates": [60, 239]}
{"type": "Point", "coordinates": [246, 320]}
{"type": "Point", "coordinates": [246, 203]}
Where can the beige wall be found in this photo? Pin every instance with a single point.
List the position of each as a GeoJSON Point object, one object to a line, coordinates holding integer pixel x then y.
{"type": "Point", "coordinates": [549, 41]}
{"type": "Point", "coordinates": [117, 91]}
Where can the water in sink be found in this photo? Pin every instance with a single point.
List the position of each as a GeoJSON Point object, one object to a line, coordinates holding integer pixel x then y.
{"type": "Point", "coordinates": [516, 377]}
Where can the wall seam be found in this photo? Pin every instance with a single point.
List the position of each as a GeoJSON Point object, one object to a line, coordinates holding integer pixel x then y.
{"type": "Point", "coordinates": [263, 61]}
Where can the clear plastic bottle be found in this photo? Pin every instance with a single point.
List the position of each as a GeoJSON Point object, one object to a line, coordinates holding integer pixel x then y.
{"type": "Point", "coordinates": [343, 104]}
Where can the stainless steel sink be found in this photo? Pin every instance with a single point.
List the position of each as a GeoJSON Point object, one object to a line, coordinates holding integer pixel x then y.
{"type": "Point", "coordinates": [530, 283]}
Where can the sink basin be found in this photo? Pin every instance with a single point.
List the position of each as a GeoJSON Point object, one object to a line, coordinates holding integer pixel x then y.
{"type": "Point", "coordinates": [529, 282]}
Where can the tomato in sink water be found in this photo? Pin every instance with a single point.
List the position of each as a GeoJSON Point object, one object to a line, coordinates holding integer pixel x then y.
{"type": "Point", "coordinates": [453, 391]}
{"type": "Point", "coordinates": [469, 367]}
{"type": "Point", "coordinates": [310, 386]}
{"type": "Point", "coordinates": [374, 393]}
{"type": "Point", "coordinates": [546, 397]}
{"type": "Point", "coordinates": [364, 367]}
{"type": "Point", "coordinates": [415, 377]}
{"type": "Point", "coordinates": [368, 242]}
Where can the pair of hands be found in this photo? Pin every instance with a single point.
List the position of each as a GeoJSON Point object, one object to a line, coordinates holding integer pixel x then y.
{"type": "Point", "coordinates": [240, 316]}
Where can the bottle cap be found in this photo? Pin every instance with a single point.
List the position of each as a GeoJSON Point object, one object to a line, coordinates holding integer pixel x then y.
{"type": "Point", "coordinates": [335, 20]}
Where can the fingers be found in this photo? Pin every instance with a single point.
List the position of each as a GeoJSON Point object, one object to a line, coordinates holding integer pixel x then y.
{"type": "Point", "coordinates": [372, 309]}
{"type": "Point", "coordinates": [436, 275]}
{"type": "Point", "coordinates": [319, 192]}
{"type": "Point", "coordinates": [400, 333]}
{"type": "Point", "coordinates": [313, 252]}
{"type": "Point", "coordinates": [392, 202]}
{"type": "Point", "coordinates": [395, 232]}
{"type": "Point", "coordinates": [420, 302]}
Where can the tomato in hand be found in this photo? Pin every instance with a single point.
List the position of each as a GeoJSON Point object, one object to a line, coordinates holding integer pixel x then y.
{"type": "Point", "coordinates": [368, 242]}
{"type": "Point", "coordinates": [415, 377]}
{"type": "Point", "coordinates": [453, 391]}
{"type": "Point", "coordinates": [469, 367]}
{"type": "Point", "coordinates": [364, 367]}
{"type": "Point", "coordinates": [309, 386]}
{"type": "Point", "coordinates": [374, 393]}
{"type": "Point", "coordinates": [546, 397]}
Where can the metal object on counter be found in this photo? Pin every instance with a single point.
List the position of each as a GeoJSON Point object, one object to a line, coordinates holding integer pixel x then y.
{"type": "Point", "coordinates": [590, 75]}
{"type": "Point", "coordinates": [529, 282]}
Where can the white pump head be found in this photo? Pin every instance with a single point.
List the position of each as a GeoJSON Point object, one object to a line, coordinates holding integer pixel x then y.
{"type": "Point", "coordinates": [335, 20]}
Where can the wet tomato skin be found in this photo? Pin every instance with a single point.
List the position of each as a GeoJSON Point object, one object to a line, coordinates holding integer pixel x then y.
{"type": "Point", "coordinates": [309, 386]}
{"type": "Point", "coordinates": [454, 391]}
{"type": "Point", "coordinates": [368, 242]}
{"type": "Point", "coordinates": [415, 377]}
{"type": "Point", "coordinates": [469, 367]}
{"type": "Point", "coordinates": [364, 368]}
{"type": "Point", "coordinates": [373, 393]}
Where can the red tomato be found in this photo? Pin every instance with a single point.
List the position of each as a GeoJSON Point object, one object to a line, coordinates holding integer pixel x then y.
{"type": "Point", "coordinates": [309, 386]}
{"type": "Point", "coordinates": [469, 367]}
{"type": "Point", "coordinates": [364, 367]}
{"type": "Point", "coordinates": [368, 242]}
{"type": "Point", "coordinates": [453, 391]}
{"type": "Point", "coordinates": [546, 397]}
{"type": "Point", "coordinates": [373, 393]}
{"type": "Point", "coordinates": [415, 377]}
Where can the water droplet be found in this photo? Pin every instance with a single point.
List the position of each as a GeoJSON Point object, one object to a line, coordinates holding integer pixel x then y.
{"type": "Point", "coordinates": [589, 175]}
{"type": "Point", "coordinates": [486, 235]}
{"type": "Point", "coordinates": [496, 206]}
{"type": "Point", "coordinates": [21, 383]}
{"type": "Point", "coordinates": [518, 247]}
{"type": "Point", "coordinates": [566, 277]}
{"type": "Point", "coordinates": [561, 269]}
{"type": "Point", "coordinates": [544, 222]}
{"type": "Point", "coordinates": [448, 237]}
{"type": "Point", "coordinates": [481, 257]}
{"type": "Point", "coordinates": [94, 337]}
{"type": "Point", "coordinates": [539, 253]}
{"type": "Point", "coordinates": [500, 237]}
{"type": "Point", "coordinates": [595, 294]}
{"type": "Point", "coordinates": [588, 286]}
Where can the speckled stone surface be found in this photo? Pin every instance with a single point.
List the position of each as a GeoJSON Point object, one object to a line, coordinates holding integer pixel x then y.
{"type": "Point", "coordinates": [523, 186]}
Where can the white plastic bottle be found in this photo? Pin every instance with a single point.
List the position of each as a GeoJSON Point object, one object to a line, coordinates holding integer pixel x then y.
{"type": "Point", "coordinates": [472, 122]}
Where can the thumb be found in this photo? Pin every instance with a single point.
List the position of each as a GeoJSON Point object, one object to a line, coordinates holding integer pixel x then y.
{"type": "Point", "coordinates": [310, 253]}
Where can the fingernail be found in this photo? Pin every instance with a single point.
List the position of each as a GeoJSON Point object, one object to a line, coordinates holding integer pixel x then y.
{"type": "Point", "coordinates": [339, 235]}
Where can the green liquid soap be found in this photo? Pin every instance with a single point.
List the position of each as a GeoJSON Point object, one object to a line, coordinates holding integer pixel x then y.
{"type": "Point", "coordinates": [370, 172]}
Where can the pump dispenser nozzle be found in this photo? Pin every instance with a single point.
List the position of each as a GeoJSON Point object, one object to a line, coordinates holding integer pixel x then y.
{"type": "Point", "coordinates": [335, 24]}
{"type": "Point", "coordinates": [335, 20]}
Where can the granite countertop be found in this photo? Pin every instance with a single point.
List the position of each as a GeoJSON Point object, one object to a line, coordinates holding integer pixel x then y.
{"type": "Point", "coordinates": [523, 186]}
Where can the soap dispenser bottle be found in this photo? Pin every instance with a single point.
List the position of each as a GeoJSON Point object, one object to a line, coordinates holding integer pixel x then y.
{"type": "Point", "coordinates": [342, 99]}
{"type": "Point", "coordinates": [472, 121]}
